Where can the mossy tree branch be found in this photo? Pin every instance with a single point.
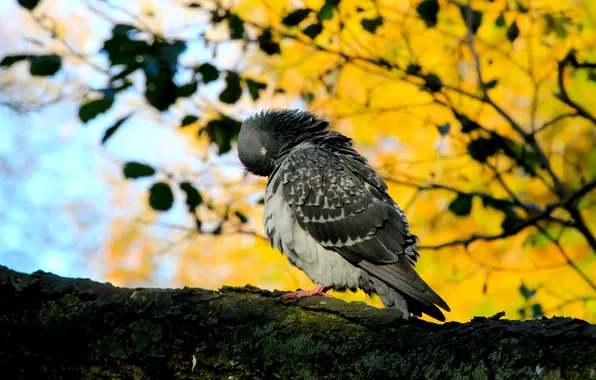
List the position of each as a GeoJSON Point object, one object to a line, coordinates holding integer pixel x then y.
{"type": "Point", "coordinates": [53, 327]}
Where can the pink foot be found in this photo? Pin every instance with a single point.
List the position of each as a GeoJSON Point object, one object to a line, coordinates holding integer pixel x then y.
{"type": "Point", "coordinates": [318, 290]}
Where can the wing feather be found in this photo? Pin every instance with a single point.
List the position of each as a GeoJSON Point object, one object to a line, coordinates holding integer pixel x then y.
{"type": "Point", "coordinates": [340, 201]}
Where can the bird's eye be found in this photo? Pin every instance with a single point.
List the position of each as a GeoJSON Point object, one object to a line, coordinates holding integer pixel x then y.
{"type": "Point", "coordinates": [264, 151]}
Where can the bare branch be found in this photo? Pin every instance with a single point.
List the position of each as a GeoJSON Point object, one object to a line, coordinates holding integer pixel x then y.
{"type": "Point", "coordinates": [563, 95]}
{"type": "Point", "coordinates": [532, 221]}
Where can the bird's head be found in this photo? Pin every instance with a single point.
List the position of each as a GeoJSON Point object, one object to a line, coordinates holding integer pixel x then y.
{"type": "Point", "coordinates": [266, 136]}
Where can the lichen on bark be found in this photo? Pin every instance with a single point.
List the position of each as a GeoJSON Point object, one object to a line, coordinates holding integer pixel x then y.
{"type": "Point", "coordinates": [53, 327]}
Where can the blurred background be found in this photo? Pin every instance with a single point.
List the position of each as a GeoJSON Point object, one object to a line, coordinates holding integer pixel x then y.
{"type": "Point", "coordinates": [118, 125]}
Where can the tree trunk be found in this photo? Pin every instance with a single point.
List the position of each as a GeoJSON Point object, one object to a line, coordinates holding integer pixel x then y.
{"type": "Point", "coordinates": [53, 327]}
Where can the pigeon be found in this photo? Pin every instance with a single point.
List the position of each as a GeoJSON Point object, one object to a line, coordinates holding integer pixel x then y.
{"type": "Point", "coordinates": [329, 212]}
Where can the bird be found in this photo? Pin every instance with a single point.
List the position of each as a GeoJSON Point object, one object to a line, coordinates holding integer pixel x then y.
{"type": "Point", "coordinates": [328, 211]}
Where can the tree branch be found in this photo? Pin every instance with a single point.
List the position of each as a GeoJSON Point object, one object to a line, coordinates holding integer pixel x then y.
{"type": "Point", "coordinates": [563, 95]}
{"type": "Point", "coordinates": [569, 200]}
{"type": "Point", "coordinates": [53, 327]}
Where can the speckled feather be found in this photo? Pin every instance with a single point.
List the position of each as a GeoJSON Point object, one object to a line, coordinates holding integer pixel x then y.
{"type": "Point", "coordinates": [329, 212]}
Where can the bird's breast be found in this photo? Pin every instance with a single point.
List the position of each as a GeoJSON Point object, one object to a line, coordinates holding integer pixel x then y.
{"type": "Point", "coordinates": [321, 265]}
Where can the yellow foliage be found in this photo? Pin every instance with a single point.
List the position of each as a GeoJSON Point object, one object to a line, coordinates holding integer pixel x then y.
{"type": "Point", "coordinates": [394, 122]}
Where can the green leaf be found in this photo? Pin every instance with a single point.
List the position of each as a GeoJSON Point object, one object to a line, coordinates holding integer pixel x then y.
{"type": "Point", "coordinates": [124, 49]}
{"type": "Point", "coordinates": [93, 108]}
{"type": "Point", "coordinates": [500, 21]}
{"type": "Point", "coordinates": [134, 170]}
{"type": "Point", "coordinates": [161, 197]}
{"type": "Point", "coordinates": [413, 69]}
{"type": "Point", "coordinates": [326, 11]}
{"type": "Point", "coordinates": [296, 17]}
{"type": "Point", "coordinates": [236, 27]}
{"type": "Point", "coordinates": [309, 97]}
{"type": "Point", "coordinates": [254, 88]}
{"type": "Point", "coordinates": [444, 129]}
{"type": "Point", "coordinates": [45, 65]}
{"type": "Point", "coordinates": [522, 313]}
{"type": "Point", "coordinates": [188, 89]}
{"type": "Point", "coordinates": [208, 72]}
{"type": "Point", "coordinates": [28, 4]}
{"type": "Point", "coordinates": [10, 60]}
{"type": "Point", "coordinates": [462, 205]}
{"type": "Point", "coordinates": [193, 196]}
{"type": "Point", "coordinates": [525, 292]}
{"type": "Point", "coordinates": [511, 222]}
{"type": "Point", "coordinates": [491, 84]}
{"type": "Point", "coordinates": [371, 25]}
{"type": "Point", "coordinates": [476, 17]}
{"type": "Point", "coordinates": [537, 239]}
{"type": "Point", "coordinates": [432, 82]}
{"type": "Point", "coordinates": [267, 44]}
{"type": "Point", "coordinates": [537, 310]}
{"type": "Point", "coordinates": [428, 11]}
{"type": "Point", "coordinates": [523, 154]}
{"type": "Point", "coordinates": [111, 130]}
{"type": "Point", "coordinates": [222, 132]}
{"type": "Point", "coordinates": [313, 30]}
{"type": "Point", "coordinates": [512, 31]}
{"type": "Point", "coordinates": [467, 125]}
{"type": "Point", "coordinates": [243, 219]}
{"type": "Point", "coordinates": [520, 7]}
{"type": "Point", "coordinates": [232, 93]}
{"type": "Point", "coordinates": [496, 203]}
{"type": "Point", "coordinates": [482, 148]}
{"type": "Point", "coordinates": [188, 120]}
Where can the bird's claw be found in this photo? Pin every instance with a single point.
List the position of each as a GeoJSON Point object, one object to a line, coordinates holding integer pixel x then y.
{"type": "Point", "coordinates": [318, 290]}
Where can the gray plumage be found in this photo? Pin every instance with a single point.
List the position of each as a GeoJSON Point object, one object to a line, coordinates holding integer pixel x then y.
{"type": "Point", "coordinates": [330, 214]}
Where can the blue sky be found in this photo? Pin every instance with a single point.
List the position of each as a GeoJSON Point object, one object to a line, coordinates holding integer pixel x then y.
{"type": "Point", "coordinates": [55, 199]}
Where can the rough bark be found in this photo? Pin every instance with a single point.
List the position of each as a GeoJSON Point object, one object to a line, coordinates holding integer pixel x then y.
{"type": "Point", "coordinates": [53, 327]}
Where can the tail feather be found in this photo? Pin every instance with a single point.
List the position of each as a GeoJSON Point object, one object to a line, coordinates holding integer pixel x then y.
{"type": "Point", "coordinates": [398, 284]}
